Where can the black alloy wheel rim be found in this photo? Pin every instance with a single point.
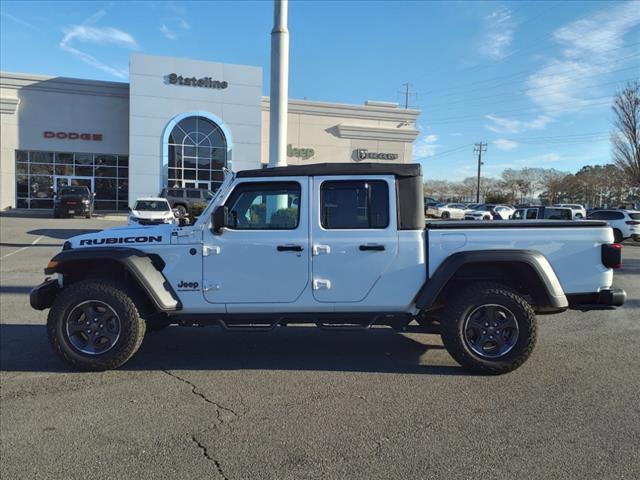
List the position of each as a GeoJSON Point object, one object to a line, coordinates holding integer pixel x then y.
{"type": "Point", "coordinates": [491, 331]}
{"type": "Point", "coordinates": [93, 327]}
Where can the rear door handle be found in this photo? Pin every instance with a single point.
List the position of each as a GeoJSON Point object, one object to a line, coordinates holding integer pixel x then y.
{"type": "Point", "coordinates": [374, 247]}
{"type": "Point", "coordinates": [290, 248]}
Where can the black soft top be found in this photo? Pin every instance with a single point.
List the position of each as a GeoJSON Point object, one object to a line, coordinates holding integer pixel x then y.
{"type": "Point", "coordinates": [402, 170]}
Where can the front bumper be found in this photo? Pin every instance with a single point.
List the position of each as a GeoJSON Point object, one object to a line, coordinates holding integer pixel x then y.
{"type": "Point", "coordinates": [78, 209]}
{"type": "Point", "coordinates": [42, 296]}
{"type": "Point", "coordinates": [609, 297]}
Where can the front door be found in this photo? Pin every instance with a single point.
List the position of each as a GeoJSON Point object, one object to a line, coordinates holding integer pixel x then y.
{"type": "Point", "coordinates": [355, 236]}
{"type": "Point", "coordinates": [262, 256]}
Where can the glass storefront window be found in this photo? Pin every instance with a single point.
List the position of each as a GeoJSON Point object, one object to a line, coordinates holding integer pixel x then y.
{"type": "Point", "coordinates": [197, 150]}
{"type": "Point", "coordinates": [39, 173]}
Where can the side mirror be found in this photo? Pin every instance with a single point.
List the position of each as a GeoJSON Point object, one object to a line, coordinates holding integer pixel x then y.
{"type": "Point", "coordinates": [219, 219]}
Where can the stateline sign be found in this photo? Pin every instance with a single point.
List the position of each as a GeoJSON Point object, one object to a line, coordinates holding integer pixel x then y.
{"type": "Point", "coordinates": [204, 82]}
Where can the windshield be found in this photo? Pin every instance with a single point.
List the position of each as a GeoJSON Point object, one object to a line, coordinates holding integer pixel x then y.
{"type": "Point", "coordinates": [74, 191]}
{"type": "Point", "coordinates": [152, 206]}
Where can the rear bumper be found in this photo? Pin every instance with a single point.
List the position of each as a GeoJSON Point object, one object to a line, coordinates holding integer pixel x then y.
{"type": "Point", "coordinates": [42, 296]}
{"type": "Point", "coordinates": [610, 297]}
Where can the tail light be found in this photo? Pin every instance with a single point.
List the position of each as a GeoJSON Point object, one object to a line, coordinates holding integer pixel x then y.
{"type": "Point", "coordinates": [632, 222]}
{"type": "Point", "coordinates": [612, 255]}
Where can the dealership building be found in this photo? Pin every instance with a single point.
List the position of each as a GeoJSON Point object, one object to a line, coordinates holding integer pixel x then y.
{"type": "Point", "coordinates": [178, 122]}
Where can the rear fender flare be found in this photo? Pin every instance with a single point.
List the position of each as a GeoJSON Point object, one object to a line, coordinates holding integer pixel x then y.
{"type": "Point", "coordinates": [553, 293]}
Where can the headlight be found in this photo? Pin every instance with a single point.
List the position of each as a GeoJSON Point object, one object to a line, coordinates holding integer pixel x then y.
{"type": "Point", "coordinates": [85, 201]}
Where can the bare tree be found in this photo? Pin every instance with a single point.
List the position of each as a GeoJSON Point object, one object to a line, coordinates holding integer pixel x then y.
{"type": "Point", "coordinates": [625, 141]}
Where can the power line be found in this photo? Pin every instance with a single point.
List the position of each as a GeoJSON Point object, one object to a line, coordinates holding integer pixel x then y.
{"type": "Point", "coordinates": [528, 72]}
{"type": "Point", "coordinates": [446, 104]}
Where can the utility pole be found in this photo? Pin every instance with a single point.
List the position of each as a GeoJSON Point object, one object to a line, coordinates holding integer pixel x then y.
{"type": "Point", "coordinates": [278, 102]}
{"type": "Point", "coordinates": [407, 93]}
{"type": "Point", "coordinates": [479, 147]}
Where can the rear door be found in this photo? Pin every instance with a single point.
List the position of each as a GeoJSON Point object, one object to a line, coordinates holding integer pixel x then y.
{"type": "Point", "coordinates": [354, 235]}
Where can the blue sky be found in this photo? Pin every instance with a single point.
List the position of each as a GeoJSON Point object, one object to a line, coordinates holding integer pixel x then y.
{"type": "Point", "coordinates": [533, 79]}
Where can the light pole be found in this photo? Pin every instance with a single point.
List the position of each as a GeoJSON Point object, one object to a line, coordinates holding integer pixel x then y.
{"type": "Point", "coordinates": [279, 87]}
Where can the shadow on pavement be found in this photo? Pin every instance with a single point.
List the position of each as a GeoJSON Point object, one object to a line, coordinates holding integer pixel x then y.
{"type": "Point", "coordinates": [25, 348]}
{"type": "Point", "coordinates": [14, 289]}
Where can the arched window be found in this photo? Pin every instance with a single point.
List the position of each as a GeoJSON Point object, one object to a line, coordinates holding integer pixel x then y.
{"type": "Point", "coordinates": [197, 154]}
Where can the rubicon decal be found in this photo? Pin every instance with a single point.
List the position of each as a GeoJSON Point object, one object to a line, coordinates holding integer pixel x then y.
{"type": "Point", "coordinates": [113, 240]}
{"type": "Point", "coordinates": [185, 285]}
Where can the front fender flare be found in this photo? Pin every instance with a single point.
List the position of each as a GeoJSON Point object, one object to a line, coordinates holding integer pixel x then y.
{"type": "Point", "coordinates": [137, 263]}
{"type": "Point", "coordinates": [554, 295]}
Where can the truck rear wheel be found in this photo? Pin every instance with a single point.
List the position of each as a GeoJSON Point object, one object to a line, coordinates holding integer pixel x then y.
{"type": "Point", "coordinates": [488, 328]}
{"type": "Point", "coordinates": [95, 325]}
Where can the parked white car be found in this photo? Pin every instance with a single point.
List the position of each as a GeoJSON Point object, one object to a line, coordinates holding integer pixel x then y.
{"type": "Point", "coordinates": [625, 223]}
{"type": "Point", "coordinates": [454, 211]}
{"type": "Point", "coordinates": [483, 212]}
{"type": "Point", "coordinates": [577, 210]}
{"type": "Point", "coordinates": [151, 211]}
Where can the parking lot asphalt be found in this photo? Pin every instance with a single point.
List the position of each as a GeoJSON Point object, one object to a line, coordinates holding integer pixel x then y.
{"type": "Point", "coordinates": [301, 403]}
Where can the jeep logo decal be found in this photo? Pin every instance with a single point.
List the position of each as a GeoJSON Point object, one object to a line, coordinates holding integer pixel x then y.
{"type": "Point", "coordinates": [183, 285]}
{"type": "Point", "coordinates": [113, 240]}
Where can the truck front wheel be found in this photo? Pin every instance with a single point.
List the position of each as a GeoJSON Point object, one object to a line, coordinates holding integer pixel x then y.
{"type": "Point", "coordinates": [488, 328]}
{"type": "Point", "coordinates": [95, 325]}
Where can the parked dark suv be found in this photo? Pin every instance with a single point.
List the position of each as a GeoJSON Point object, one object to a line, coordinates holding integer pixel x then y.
{"type": "Point", "coordinates": [182, 199]}
{"type": "Point", "coordinates": [70, 201]}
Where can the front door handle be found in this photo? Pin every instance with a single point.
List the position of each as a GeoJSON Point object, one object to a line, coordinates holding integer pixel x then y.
{"type": "Point", "coordinates": [290, 248]}
{"type": "Point", "coordinates": [373, 247]}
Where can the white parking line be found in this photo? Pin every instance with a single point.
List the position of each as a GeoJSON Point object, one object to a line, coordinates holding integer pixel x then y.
{"type": "Point", "coordinates": [23, 248]}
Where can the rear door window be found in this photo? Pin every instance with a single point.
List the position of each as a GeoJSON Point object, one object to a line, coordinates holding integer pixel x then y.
{"type": "Point", "coordinates": [350, 204]}
{"type": "Point", "coordinates": [532, 214]}
{"type": "Point", "coordinates": [193, 194]}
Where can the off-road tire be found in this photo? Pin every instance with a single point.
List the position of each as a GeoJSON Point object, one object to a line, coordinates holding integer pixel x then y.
{"type": "Point", "coordinates": [132, 325]}
{"type": "Point", "coordinates": [56, 214]}
{"type": "Point", "coordinates": [455, 312]}
{"type": "Point", "coordinates": [617, 236]}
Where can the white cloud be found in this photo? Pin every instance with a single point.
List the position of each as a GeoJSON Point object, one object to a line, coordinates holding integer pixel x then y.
{"type": "Point", "coordinates": [166, 31]}
{"type": "Point", "coordinates": [498, 34]}
{"type": "Point", "coordinates": [100, 36]}
{"type": "Point", "coordinates": [505, 144]}
{"type": "Point", "coordinates": [425, 146]}
{"type": "Point", "coordinates": [17, 20]}
{"type": "Point", "coordinates": [591, 48]}
{"type": "Point", "coordinates": [507, 125]}
{"type": "Point", "coordinates": [183, 24]}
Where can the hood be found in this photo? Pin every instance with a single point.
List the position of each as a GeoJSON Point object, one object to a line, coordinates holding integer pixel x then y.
{"type": "Point", "coordinates": [147, 215]}
{"type": "Point", "coordinates": [127, 236]}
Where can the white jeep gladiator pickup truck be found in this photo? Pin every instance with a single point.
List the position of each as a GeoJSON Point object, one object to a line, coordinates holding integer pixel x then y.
{"type": "Point", "coordinates": [341, 246]}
